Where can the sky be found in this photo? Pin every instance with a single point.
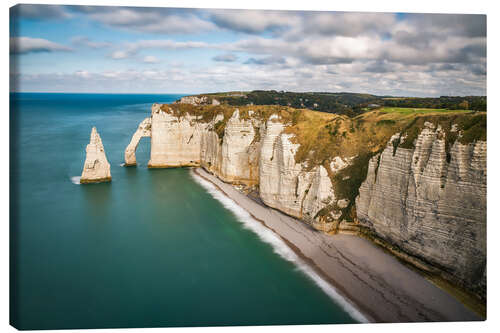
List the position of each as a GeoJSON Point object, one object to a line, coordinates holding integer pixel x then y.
{"type": "Point", "coordinates": [98, 49]}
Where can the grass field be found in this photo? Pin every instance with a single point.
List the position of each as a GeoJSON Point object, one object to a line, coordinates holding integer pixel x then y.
{"type": "Point", "coordinates": [418, 110]}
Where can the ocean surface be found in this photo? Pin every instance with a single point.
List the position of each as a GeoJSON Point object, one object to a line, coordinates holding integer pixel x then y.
{"type": "Point", "coordinates": [152, 248]}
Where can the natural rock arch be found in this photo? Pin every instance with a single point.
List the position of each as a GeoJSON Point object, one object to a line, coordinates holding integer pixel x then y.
{"type": "Point", "coordinates": [144, 130]}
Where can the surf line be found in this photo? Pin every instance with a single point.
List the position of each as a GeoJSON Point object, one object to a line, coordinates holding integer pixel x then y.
{"type": "Point", "coordinates": [280, 245]}
{"type": "Point", "coordinates": [75, 180]}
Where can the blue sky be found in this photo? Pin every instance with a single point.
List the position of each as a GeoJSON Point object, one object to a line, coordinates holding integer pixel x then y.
{"type": "Point", "coordinates": [169, 50]}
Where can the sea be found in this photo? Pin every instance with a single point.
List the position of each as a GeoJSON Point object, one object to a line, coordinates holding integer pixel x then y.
{"type": "Point", "coordinates": [152, 248]}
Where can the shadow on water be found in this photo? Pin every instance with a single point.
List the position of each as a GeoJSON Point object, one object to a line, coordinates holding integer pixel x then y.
{"type": "Point", "coordinates": [13, 210]}
{"type": "Point", "coordinates": [97, 200]}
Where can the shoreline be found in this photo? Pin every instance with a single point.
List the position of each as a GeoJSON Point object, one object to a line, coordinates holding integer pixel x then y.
{"type": "Point", "coordinates": [374, 282]}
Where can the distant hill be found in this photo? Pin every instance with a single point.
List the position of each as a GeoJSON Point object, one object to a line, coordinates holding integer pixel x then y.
{"type": "Point", "coordinates": [346, 103]}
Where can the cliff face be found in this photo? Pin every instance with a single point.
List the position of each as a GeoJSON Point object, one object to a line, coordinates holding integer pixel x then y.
{"type": "Point", "coordinates": [175, 141]}
{"type": "Point", "coordinates": [239, 151]}
{"type": "Point", "coordinates": [430, 208]}
{"type": "Point", "coordinates": [424, 193]}
{"type": "Point", "coordinates": [287, 186]}
{"type": "Point", "coordinates": [96, 168]}
{"type": "Point", "coordinates": [249, 151]}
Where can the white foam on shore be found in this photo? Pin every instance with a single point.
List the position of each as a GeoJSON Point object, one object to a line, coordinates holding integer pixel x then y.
{"type": "Point", "coordinates": [75, 180]}
{"type": "Point", "coordinates": [279, 247]}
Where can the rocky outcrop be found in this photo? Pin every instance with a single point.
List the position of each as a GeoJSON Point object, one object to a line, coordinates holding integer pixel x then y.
{"type": "Point", "coordinates": [430, 208]}
{"type": "Point", "coordinates": [175, 141]}
{"type": "Point", "coordinates": [96, 168]}
{"type": "Point", "coordinates": [250, 152]}
{"type": "Point", "coordinates": [210, 148]}
{"type": "Point", "coordinates": [188, 141]}
{"type": "Point", "coordinates": [144, 130]}
{"type": "Point", "coordinates": [288, 186]}
{"type": "Point", "coordinates": [428, 201]}
{"type": "Point", "coordinates": [198, 100]}
{"type": "Point", "coordinates": [239, 152]}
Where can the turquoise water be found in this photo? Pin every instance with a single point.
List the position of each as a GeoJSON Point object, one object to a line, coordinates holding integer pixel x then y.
{"type": "Point", "coordinates": [152, 248]}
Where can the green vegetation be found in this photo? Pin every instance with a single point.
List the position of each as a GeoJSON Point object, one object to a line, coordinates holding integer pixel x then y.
{"type": "Point", "coordinates": [323, 136]}
{"type": "Point", "coordinates": [417, 110]}
{"type": "Point", "coordinates": [347, 181]}
{"type": "Point", "coordinates": [477, 103]}
{"type": "Point", "coordinates": [206, 113]}
{"type": "Point", "coordinates": [349, 104]}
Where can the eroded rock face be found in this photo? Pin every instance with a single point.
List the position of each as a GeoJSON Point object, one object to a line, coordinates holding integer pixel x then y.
{"type": "Point", "coordinates": [250, 153]}
{"type": "Point", "coordinates": [211, 150]}
{"type": "Point", "coordinates": [428, 202]}
{"type": "Point", "coordinates": [96, 168]}
{"type": "Point", "coordinates": [430, 208]}
{"type": "Point", "coordinates": [195, 100]}
{"type": "Point", "coordinates": [175, 141]}
{"type": "Point", "coordinates": [144, 130]}
{"type": "Point", "coordinates": [287, 186]}
{"type": "Point", "coordinates": [187, 141]}
{"type": "Point", "coordinates": [239, 152]}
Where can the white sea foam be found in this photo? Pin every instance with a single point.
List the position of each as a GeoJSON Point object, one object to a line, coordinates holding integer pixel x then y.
{"type": "Point", "coordinates": [75, 180]}
{"type": "Point", "coordinates": [122, 164]}
{"type": "Point", "coordinates": [279, 247]}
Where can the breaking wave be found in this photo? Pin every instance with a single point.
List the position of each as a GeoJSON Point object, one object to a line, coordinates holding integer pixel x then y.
{"type": "Point", "coordinates": [279, 247]}
{"type": "Point", "coordinates": [75, 180]}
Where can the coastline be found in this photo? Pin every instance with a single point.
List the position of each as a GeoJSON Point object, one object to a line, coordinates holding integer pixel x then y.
{"type": "Point", "coordinates": [374, 282]}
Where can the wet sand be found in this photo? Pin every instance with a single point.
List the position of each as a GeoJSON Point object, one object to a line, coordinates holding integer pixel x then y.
{"type": "Point", "coordinates": [376, 283]}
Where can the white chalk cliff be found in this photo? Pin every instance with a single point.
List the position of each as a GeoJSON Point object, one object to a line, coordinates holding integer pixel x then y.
{"type": "Point", "coordinates": [429, 208]}
{"type": "Point", "coordinates": [96, 168]}
{"type": "Point", "coordinates": [287, 186]}
{"type": "Point", "coordinates": [428, 202]}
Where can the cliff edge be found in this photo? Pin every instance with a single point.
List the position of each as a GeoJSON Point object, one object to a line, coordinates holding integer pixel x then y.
{"type": "Point", "coordinates": [412, 181]}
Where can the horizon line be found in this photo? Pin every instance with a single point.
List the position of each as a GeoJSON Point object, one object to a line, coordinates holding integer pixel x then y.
{"type": "Point", "coordinates": [193, 94]}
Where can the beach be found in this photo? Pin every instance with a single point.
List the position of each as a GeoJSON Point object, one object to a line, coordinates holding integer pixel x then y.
{"type": "Point", "coordinates": [373, 281]}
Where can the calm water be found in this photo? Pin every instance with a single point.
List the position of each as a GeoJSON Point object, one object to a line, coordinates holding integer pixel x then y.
{"type": "Point", "coordinates": [152, 248]}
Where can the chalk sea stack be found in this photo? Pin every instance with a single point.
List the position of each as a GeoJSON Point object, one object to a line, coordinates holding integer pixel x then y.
{"type": "Point", "coordinates": [96, 168]}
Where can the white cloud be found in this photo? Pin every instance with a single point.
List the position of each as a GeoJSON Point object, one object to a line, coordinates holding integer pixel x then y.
{"type": "Point", "coordinates": [151, 20]}
{"type": "Point", "coordinates": [254, 21]}
{"type": "Point", "coordinates": [132, 48]}
{"type": "Point", "coordinates": [365, 52]}
{"type": "Point", "coordinates": [414, 80]}
{"type": "Point", "coordinates": [150, 60]}
{"type": "Point", "coordinates": [39, 12]}
{"type": "Point", "coordinates": [226, 57]}
{"type": "Point", "coordinates": [87, 42]}
{"type": "Point", "coordinates": [118, 55]}
{"type": "Point", "coordinates": [344, 24]}
{"type": "Point", "coordinates": [83, 74]}
{"type": "Point", "coordinates": [23, 45]}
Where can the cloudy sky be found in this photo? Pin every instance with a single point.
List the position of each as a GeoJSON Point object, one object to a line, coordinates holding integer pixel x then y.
{"type": "Point", "coordinates": [166, 50]}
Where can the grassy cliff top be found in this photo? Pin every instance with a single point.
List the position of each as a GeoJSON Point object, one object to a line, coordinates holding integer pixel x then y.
{"type": "Point", "coordinates": [323, 136]}
{"type": "Point", "coordinates": [345, 103]}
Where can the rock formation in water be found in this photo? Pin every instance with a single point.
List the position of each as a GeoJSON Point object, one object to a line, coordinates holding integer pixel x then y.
{"type": "Point", "coordinates": [96, 168]}
{"type": "Point", "coordinates": [422, 191]}
{"type": "Point", "coordinates": [144, 130]}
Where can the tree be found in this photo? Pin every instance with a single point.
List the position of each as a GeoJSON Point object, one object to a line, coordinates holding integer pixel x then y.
{"type": "Point", "coordinates": [464, 105]}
